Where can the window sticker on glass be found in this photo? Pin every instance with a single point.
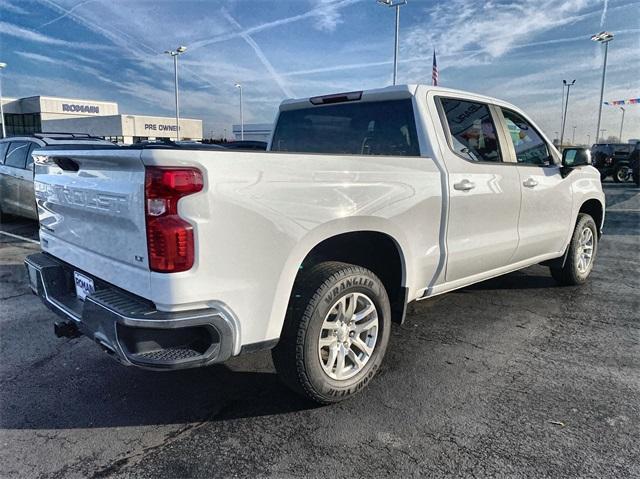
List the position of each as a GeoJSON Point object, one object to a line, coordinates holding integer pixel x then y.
{"type": "Point", "coordinates": [473, 133]}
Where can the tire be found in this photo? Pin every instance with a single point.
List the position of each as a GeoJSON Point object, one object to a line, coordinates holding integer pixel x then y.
{"type": "Point", "coordinates": [319, 295]}
{"type": "Point", "coordinates": [621, 174]}
{"type": "Point", "coordinates": [575, 272]}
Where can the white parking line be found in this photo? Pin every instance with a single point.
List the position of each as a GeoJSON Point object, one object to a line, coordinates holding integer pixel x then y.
{"type": "Point", "coordinates": [11, 235]}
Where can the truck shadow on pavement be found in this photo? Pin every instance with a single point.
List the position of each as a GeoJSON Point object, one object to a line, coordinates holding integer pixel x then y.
{"type": "Point", "coordinates": [522, 279]}
{"type": "Point", "coordinates": [77, 386]}
{"type": "Point", "coordinates": [101, 393]}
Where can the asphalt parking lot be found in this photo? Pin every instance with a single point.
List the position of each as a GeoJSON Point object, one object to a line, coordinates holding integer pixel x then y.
{"type": "Point", "coordinates": [511, 377]}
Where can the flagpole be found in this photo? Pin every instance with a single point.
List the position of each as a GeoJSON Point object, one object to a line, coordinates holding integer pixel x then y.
{"type": "Point", "coordinates": [434, 70]}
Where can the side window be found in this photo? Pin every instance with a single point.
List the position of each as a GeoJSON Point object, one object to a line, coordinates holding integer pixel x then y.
{"type": "Point", "coordinates": [530, 148]}
{"type": "Point", "coordinates": [33, 146]}
{"type": "Point", "coordinates": [473, 133]}
{"type": "Point", "coordinates": [17, 154]}
{"type": "Point", "coordinates": [3, 151]}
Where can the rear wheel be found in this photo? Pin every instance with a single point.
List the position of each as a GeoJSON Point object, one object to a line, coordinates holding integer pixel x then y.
{"type": "Point", "coordinates": [335, 334]}
{"type": "Point", "coordinates": [581, 255]}
{"type": "Point", "coordinates": [621, 174]}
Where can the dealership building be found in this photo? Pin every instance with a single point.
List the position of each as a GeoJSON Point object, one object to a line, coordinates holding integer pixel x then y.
{"type": "Point", "coordinates": [253, 131]}
{"type": "Point", "coordinates": [98, 118]}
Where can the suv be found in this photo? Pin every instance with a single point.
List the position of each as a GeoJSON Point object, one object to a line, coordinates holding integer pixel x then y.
{"type": "Point", "coordinates": [170, 258]}
{"type": "Point", "coordinates": [612, 159]}
{"type": "Point", "coordinates": [16, 168]}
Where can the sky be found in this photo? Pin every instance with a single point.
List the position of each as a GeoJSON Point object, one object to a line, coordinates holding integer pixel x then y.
{"type": "Point", "coordinates": [518, 51]}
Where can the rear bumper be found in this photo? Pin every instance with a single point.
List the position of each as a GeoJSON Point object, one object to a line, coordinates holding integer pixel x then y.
{"type": "Point", "coordinates": [130, 328]}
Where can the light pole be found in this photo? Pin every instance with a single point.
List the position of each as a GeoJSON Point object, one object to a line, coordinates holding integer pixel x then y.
{"type": "Point", "coordinates": [602, 134]}
{"type": "Point", "coordinates": [573, 138]}
{"type": "Point", "coordinates": [562, 107]}
{"type": "Point", "coordinates": [602, 37]}
{"type": "Point", "coordinates": [588, 140]}
{"type": "Point", "coordinates": [4, 130]}
{"type": "Point", "coordinates": [179, 51]}
{"type": "Point", "coordinates": [566, 107]}
{"type": "Point", "coordinates": [239, 86]}
{"type": "Point", "coordinates": [396, 5]}
{"type": "Point", "coordinates": [621, 124]}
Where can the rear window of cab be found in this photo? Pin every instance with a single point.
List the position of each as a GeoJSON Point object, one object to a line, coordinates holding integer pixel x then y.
{"type": "Point", "coordinates": [360, 128]}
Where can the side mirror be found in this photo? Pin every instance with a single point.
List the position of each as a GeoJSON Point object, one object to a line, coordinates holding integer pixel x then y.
{"type": "Point", "coordinates": [572, 157]}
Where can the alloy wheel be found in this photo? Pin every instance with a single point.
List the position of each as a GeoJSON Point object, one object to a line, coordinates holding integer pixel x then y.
{"type": "Point", "coordinates": [348, 336]}
{"type": "Point", "coordinates": [585, 250]}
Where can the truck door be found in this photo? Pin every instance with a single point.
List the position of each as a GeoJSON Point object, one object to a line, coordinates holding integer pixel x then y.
{"type": "Point", "coordinates": [545, 213]}
{"type": "Point", "coordinates": [484, 189]}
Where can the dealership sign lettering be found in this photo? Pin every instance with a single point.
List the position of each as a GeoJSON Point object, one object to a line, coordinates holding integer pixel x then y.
{"type": "Point", "coordinates": [80, 108]}
{"type": "Point", "coordinates": [160, 127]}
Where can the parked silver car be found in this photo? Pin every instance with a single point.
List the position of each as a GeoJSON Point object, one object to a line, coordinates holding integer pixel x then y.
{"type": "Point", "coordinates": [16, 168]}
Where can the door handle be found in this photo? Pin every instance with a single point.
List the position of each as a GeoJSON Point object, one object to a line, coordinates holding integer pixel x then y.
{"type": "Point", "coordinates": [464, 185]}
{"type": "Point", "coordinates": [530, 183]}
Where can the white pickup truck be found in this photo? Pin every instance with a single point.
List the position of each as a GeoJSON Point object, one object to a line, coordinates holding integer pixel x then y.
{"type": "Point", "coordinates": [175, 257]}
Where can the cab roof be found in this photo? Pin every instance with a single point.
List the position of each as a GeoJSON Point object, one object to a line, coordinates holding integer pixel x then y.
{"type": "Point", "coordinates": [395, 92]}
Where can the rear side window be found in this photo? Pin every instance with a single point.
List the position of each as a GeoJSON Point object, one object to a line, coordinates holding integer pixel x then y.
{"type": "Point", "coordinates": [3, 151]}
{"type": "Point", "coordinates": [17, 154]}
{"type": "Point", "coordinates": [32, 147]}
{"type": "Point", "coordinates": [473, 133]}
{"type": "Point", "coordinates": [530, 148]}
{"type": "Point", "coordinates": [363, 128]}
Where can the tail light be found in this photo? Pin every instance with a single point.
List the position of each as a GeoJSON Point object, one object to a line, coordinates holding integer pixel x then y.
{"type": "Point", "coordinates": [169, 237]}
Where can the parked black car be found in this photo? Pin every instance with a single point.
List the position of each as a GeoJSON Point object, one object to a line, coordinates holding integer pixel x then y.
{"type": "Point", "coordinates": [248, 145]}
{"type": "Point", "coordinates": [612, 159]}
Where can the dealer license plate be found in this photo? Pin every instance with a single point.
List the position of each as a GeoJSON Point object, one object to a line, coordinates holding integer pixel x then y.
{"type": "Point", "coordinates": [84, 285]}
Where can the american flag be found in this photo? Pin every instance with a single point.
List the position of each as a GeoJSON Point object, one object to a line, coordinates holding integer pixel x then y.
{"type": "Point", "coordinates": [434, 71]}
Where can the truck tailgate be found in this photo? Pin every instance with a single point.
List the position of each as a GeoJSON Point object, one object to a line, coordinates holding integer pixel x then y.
{"type": "Point", "coordinates": [91, 203]}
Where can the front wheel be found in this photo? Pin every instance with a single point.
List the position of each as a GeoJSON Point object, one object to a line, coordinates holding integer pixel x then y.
{"type": "Point", "coordinates": [581, 255]}
{"type": "Point", "coordinates": [335, 334]}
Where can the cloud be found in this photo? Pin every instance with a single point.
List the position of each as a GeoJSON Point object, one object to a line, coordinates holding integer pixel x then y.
{"type": "Point", "coordinates": [36, 57]}
{"type": "Point", "coordinates": [326, 13]}
{"type": "Point", "coordinates": [128, 44]}
{"type": "Point", "coordinates": [67, 13]}
{"type": "Point", "coordinates": [262, 57]}
{"type": "Point", "coordinates": [491, 26]}
{"type": "Point", "coordinates": [603, 17]}
{"type": "Point", "coordinates": [10, 7]}
{"type": "Point", "coordinates": [25, 34]}
{"type": "Point", "coordinates": [453, 60]}
{"type": "Point", "coordinates": [66, 64]}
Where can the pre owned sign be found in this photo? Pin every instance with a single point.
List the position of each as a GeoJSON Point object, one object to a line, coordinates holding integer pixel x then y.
{"type": "Point", "coordinates": [159, 127]}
